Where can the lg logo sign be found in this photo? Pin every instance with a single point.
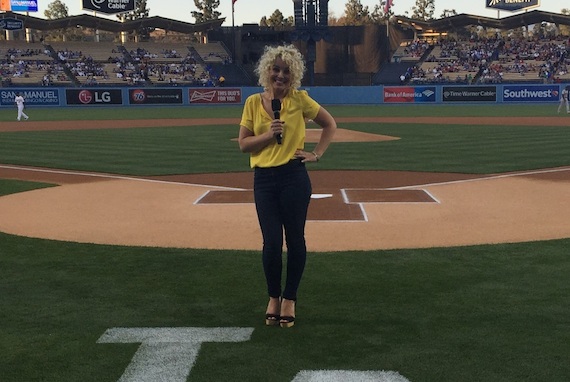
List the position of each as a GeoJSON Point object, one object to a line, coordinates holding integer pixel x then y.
{"type": "Point", "coordinates": [94, 97]}
{"type": "Point", "coordinates": [87, 97]}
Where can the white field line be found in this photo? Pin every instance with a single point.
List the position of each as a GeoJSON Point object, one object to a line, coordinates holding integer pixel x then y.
{"type": "Point", "coordinates": [483, 178]}
{"type": "Point", "coordinates": [116, 177]}
{"type": "Point", "coordinates": [347, 200]}
{"type": "Point", "coordinates": [360, 205]}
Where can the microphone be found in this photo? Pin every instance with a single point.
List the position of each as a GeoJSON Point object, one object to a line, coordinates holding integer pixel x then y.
{"type": "Point", "coordinates": [276, 107]}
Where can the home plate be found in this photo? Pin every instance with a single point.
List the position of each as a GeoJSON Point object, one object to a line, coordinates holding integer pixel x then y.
{"type": "Point", "coordinates": [321, 196]}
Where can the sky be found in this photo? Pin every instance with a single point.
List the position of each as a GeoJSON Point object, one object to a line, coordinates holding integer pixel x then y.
{"type": "Point", "coordinates": [251, 11]}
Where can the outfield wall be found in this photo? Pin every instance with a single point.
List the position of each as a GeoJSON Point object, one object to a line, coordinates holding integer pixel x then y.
{"type": "Point", "coordinates": [333, 95]}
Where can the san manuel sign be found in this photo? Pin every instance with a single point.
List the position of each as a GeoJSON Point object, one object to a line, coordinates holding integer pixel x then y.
{"type": "Point", "coordinates": [512, 5]}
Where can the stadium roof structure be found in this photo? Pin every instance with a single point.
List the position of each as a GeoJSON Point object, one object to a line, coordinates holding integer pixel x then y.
{"type": "Point", "coordinates": [506, 23]}
{"type": "Point", "coordinates": [108, 25]}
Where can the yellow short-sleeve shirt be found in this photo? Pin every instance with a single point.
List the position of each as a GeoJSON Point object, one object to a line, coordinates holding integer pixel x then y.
{"type": "Point", "coordinates": [296, 106]}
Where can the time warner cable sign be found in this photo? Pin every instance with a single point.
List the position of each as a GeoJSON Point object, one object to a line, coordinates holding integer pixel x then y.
{"type": "Point", "coordinates": [109, 6]}
{"type": "Point", "coordinates": [512, 5]}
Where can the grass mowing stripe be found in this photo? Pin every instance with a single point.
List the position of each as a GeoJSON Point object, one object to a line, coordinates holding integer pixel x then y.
{"type": "Point", "coordinates": [451, 148]}
{"type": "Point", "coordinates": [178, 150]}
{"type": "Point", "coordinates": [137, 151]}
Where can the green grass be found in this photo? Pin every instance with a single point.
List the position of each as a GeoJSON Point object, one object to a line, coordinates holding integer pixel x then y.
{"type": "Point", "coordinates": [467, 314]}
{"type": "Point", "coordinates": [207, 149]}
{"type": "Point", "coordinates": [486, 313]}
{"type": "Point", "coordinates": [9, 186]}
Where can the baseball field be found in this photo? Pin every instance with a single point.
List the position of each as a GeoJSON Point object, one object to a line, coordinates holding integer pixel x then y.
{"type": "Point", "coordinates": [438, 236]}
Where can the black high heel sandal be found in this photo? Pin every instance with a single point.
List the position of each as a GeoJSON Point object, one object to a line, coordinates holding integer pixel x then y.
{"type": "Point", "coordinates": [272, 319]}
{"type": "Point", "coordinates": [287, 321]}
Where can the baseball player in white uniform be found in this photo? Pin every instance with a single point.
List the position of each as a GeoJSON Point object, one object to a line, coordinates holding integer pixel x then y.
{"type": "Point", "coordinates": [19, 100]}
{"type": "Point", "coordinates": [564, 99]}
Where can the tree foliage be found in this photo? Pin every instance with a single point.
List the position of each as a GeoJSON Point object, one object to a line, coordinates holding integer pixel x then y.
{"type": "Point", "coordinates": [356, 14]}
{"type": "Point", "coordinates": [206, 10]}
{"type": "Point", "coordinates": [56, 10]}
{"type": "Point", "coordinates": [140, 12]}
{"type": "Point", "coordinates": [448, 13]}
{"type": "Point", "coordinates": [276, 20]}
{"type": "Point", "coordinates": [378, 14]}
{"type": "Point", "coordinates": [423, 10]}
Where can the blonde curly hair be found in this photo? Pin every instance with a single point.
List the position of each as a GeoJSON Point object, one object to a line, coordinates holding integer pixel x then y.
{"type": "Point", "coordinates": [292, 57]}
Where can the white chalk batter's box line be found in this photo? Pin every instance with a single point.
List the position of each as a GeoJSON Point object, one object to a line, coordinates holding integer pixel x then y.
{"type": "Point", "coordinates": [346, 198]}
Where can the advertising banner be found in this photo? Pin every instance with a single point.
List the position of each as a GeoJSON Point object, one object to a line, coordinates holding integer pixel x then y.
{"type": "Point", "coordinates": [409, 94]}
{"type": "Point", "coordinates": [109, 7]}
{"type": "Point", "coordinates": [22, 6]}
{"type": "Point", "coordinates": [94, 96]}
{"type": "Point", "coordinates": [528, 93]}
{"type": "Point", "coordinates": [32, 97]}
{"type": "Point", "coordinates": [218, 95]}
{"type": "Point", "coordinates": [512, 5]}
{"type": "Point", "coordinates": [155, 96]}
{"type": "Point", "coordinates": [469, 94]}
{"type": "Point", "coordinates": [11, 24]}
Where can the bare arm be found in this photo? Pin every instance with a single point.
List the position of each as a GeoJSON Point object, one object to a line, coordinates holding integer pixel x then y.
{"type": "Point", "coordinates": [325, 120]}
{"type": "Point", "coordinates": [250, 143]}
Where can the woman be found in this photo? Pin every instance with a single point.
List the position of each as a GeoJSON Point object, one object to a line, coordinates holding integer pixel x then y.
{"type": "Point", "coordinates": [275, 138]}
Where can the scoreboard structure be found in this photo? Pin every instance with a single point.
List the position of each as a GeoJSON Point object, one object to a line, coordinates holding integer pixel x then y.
{"type": "Point", "coordinates": [512, 5]}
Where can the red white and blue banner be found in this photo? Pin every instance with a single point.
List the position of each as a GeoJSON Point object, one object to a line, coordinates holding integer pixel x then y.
{"type": "Point", "coordinates": [19, 5]}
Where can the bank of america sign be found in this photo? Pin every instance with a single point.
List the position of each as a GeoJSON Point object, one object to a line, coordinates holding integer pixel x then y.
{"type": "Point", "coordinates": [512, 5]}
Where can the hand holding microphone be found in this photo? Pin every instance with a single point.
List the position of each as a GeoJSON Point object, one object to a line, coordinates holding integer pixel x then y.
{"type": "Point", "coordinates": [276, 107]}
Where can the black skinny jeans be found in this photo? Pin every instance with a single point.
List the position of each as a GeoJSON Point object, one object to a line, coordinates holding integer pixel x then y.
{"type": "Point", "coordinates": [282, 196]}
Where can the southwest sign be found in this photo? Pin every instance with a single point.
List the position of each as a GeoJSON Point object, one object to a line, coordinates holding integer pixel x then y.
{"type": "Point", "coordinates": [11, 24]}
{"type": "Point", "coordinates": [525, 93]}
{"type": "Point", "coordinates": [109, 7]}
{"type": "Point", "coordinates": [512, 5]}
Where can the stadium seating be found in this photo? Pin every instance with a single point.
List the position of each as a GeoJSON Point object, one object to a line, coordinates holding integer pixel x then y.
{"type": "Point", "coordinates": [30, 64]}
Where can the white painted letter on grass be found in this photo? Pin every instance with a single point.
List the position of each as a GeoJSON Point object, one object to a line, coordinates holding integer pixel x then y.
{"type": "Point", "coordinates": [348, 376]}
{"type": "Point", "coordinates": [168, 354]}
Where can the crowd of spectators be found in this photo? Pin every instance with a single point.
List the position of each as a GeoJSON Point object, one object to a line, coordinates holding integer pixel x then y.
{"type": "Point", "coordinates": [20, 63]}
{"type": "Point", "coordinates": [492, 60]}
{"type": "Point", "coordinates": [137, 67]}
{"type": "Point", "coordinates": [415, 49]}
{"type": "Point", "coordinates": [543, 60]}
